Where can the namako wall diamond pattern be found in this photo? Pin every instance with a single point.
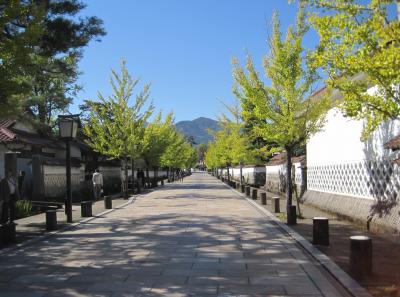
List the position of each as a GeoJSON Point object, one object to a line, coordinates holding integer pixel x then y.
{"type": "Point", "coordinates": [367, 179]}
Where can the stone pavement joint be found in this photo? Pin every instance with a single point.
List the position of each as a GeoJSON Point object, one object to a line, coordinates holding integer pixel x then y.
{"type": "Point", "coordinates": [195, 238]}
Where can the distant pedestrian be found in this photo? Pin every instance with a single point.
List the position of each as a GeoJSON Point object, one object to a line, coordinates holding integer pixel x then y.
{"type": "Point", "coordinates": [9, 194]}
{"type": "Point", "coordinates": [97, 184]}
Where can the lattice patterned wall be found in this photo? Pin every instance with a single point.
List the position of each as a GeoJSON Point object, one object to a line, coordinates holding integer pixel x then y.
{"type": "Point", "coordinates": [55, 184]}
{"type": "Point", "coordinates": [368, 179]}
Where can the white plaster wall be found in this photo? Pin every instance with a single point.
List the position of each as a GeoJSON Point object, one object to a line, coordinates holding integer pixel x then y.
{"type": "Point", "coordinates": [61, 154]}
{"type": "Point", "coordinates": [52, 169]}
{"type": "Point", "coordinates": [273, 171]}
{"type": "Point", "coordinates": [247, 170]}
{"type": "Point", "coordinates": [339, 141]}
{"type": "Point", "coordinates": [24, 126]}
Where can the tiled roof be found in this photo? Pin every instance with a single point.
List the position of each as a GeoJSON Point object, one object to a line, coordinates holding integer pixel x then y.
{"type": "Point", "coordinates": [393, 144]}
{"type": "Point", "coordinates": [6, 123]}
{"type": "Point", "coordinates": [9, 134]}
{"type": "Point", "coordinates": [281, 159]}
{"type": "Point", "coordinates": [6, 135]}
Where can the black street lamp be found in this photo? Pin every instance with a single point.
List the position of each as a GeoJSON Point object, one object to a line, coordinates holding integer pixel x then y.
{"type": "Point", "coordinates": [68, 127]}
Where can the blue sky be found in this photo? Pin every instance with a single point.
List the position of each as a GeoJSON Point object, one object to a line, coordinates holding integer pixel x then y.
{"type": "Point", "coordinates": [182, 47]}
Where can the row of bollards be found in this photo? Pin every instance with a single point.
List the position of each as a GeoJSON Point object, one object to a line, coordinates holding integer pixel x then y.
{"type": "Point", "coordinates": [360, 245]}
{"type": "Point", "coordinates": [86, 211]}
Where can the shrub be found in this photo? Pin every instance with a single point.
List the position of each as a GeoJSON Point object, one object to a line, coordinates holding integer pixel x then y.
{"type": "Point", "coordinates": [23, 208]}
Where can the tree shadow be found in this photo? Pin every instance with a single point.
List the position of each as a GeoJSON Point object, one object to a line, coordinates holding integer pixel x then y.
{"type": "Point", "coordinates": [138, 255]}
{"type": "Point", "coordinates": [382, 172]}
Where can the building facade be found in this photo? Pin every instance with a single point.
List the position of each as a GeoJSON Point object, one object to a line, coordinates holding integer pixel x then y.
{"type": "Point", "coordinates": [353, 178]}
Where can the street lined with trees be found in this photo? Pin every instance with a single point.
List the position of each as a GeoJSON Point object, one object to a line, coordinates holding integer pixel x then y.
{"type": "Point", "coordinates": [119, 129]}
{"type": "Point", "coordinates": [358, 49]}
{"type": "Point", "coordinates": [280, 106]}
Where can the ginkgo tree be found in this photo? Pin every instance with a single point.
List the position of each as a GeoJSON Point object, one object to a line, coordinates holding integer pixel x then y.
{"type": "Point", "coordinates": [360, 39]}
{"type": "Point", "coordinates": [212, 157]}
{"type": "Point", "coordinates": [155, 141]}
{"type": "Point", "coordinates": [179, 153]}
{"type": "Point", "coordinates": [231, 145]}
{"type": "Point", "coordinates": [281, 111]}
{"type": "Point", "coordinates": [114, 126]}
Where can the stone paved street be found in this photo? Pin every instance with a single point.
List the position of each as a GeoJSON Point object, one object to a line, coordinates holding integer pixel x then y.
{"type": "Point", "coordinates": [196, 238]}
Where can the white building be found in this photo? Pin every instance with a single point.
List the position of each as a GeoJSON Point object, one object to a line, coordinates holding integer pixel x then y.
{"type": "Point", "coordinates": [356, 179]}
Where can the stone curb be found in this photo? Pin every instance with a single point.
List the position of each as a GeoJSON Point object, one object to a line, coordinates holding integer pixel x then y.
{"type": "Point", "coordinates": [21, 246]}
{"type": "Point", "coordinates": [348, 283]}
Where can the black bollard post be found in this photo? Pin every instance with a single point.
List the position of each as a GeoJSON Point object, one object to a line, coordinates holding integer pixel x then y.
{"type": "Point", "coordinates": [242, 188]}
{"type": "Point", "coordinates": [276, 204]}
{"type": "Point", "coordinates": [8, 233]}
{"type": "Point", "coordinates": [107, 202]}
{"type": "Point", "coordinates": [263, 198]}
{"type": "Point", "coordinates": [361, 255]}
{"type": "Point", "coordinates": [247, 191]}
{"type": "Point", "coordinates": [320, 231]}
{"type": "Point", "coordinates": [162, 182]}
{"type": "Point", "coordinates": [51, 220]}
{"type": "Point", "coordinates": [291, 215]}
{"type": "Point", "coordinates": [254, 194]}
{"type": "Point", "coordinates": [2, 235]}
{"type": "Point", "coordinates": [86, 209]}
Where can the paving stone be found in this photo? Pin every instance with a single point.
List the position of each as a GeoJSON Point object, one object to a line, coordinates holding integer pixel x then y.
{"type": "Point", "coordinates": [250, 290]}
{"type": "Point", "coordinates": [196, 238]}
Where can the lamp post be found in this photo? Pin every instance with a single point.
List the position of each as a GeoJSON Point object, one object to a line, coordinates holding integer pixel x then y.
{"type": "Point", "coordinates": [68, 127]}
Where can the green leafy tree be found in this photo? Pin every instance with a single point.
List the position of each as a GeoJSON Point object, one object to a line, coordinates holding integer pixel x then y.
{"type": "Point", "coordinates": [284, 115]}
{"type": "Point", "coordinates": [179, 152]}
{"type": "Point", "coordinates": [201, 150]}
{"type": "Point", "coordinates": [21, 26]}
{"type": "Point", "coordinates": [41, 44]}
{"type": "Point", "coordinates": [113, 127]}
{"type": "Point", "coordinates": [155, 141]}
{"type": "Point", "coordinates": [53, 89]}
{"type": "Point", "coordinates": [238, 140]}
{"type": "Point", "coordinates": [58, 52]}
{"type": "Point", "coordinates": [358, 38]}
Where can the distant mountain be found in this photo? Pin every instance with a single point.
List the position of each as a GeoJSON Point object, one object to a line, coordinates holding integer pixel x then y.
{"type": "Point", "coordinates": [198, 129]}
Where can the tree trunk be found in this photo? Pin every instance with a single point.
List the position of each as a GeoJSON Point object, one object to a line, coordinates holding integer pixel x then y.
{"type": "Point", "coordinates": [229, 179]}
{"type": "Point", "coordinates": [126, 177]}
{"type": "Point", "coordinates": [133, 173]}
{"type": "Point", "coordinates": [241, 173]}
{"type": "Point", "coordinates": [289, 185]}
{"type": "Point", "coordinates": [154, 176]}
{"type": "Point", "coordinates": [42, 113]}
{"type": "Point", "coordinates": [147, 177]}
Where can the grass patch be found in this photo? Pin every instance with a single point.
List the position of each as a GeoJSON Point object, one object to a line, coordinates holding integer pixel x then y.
{"type": "Point", "coordinates": [23, 209]}
{"type": "Point", "coordinates": [281, 216]}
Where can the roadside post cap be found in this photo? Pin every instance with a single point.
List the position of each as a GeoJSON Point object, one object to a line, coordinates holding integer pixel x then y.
{"type": "Point", "coordinates": [319, 218]}
{"type": "Point", "coordinates": [359, 237]}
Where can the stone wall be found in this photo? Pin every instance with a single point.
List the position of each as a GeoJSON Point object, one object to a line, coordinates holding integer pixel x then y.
{"type": "Point", "coordinates": [356, 209]}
